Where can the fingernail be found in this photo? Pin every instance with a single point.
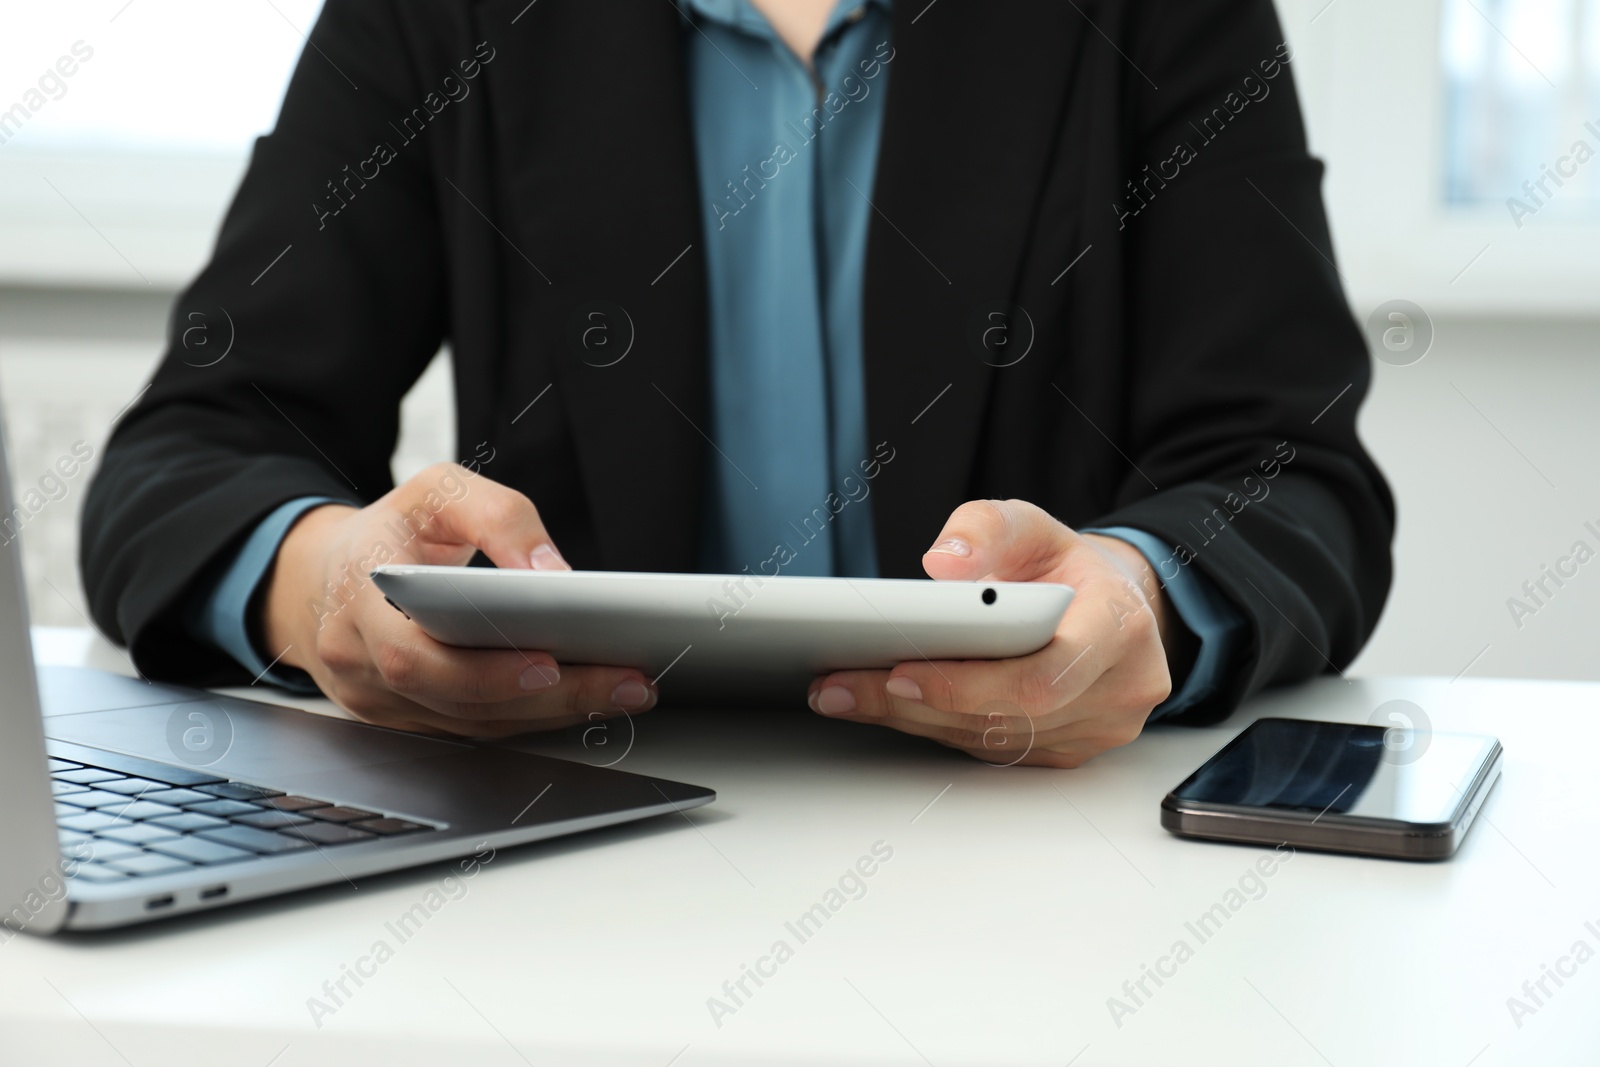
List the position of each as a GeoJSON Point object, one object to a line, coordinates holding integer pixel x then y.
{"type": "Point", "coordinates": [546, 558]}
{"type": "Point", "coordinates": [903, 688]}
{"type": "Point", "coordinates": [631, 695]}
{"type": "Point", "coordinates": [539, 676]}
{"type": "Point", "coordinates": [811, 701]}
{"type": "Point", "coordinates": [952, 546]}
{"type": "Point", "coordinates": [836, 700]}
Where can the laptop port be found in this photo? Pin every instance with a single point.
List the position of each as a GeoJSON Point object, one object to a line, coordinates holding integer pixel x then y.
{"type": "Point", "coordinates": [157, 903]}
{"type": "Point", "coordinates": [213, 892]}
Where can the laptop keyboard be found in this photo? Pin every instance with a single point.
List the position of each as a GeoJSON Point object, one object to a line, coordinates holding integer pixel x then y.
{"type": "Point", "coordinates": [122, 817]}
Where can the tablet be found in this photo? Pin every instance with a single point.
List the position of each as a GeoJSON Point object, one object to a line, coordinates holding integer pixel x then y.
{"type": "Point", "coordinates": [726, 636]}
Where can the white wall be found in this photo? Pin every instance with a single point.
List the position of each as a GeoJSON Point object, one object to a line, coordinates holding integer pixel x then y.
{"type": "Point", "coordinates": [70, 362]}
{"type": "Point", "coordinates": [1489, 441]}
{"type": "Point", "coordinates": [1468, 438]}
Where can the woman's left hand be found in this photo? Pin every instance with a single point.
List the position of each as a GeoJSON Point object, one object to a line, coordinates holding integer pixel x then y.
{"type": "Point", "coordinates": [1090, 689]}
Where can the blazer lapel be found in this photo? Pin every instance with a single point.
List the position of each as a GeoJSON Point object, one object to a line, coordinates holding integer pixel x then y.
{"type": "Point", "coordinates": [975, 94]}
{"type": "Point", "coordinates": [594, 126]}
{"type": "Point", "coordinates": [593, 130]}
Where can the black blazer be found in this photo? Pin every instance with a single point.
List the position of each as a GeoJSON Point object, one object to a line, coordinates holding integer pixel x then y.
{"type": "Point", "coordinates": [1200, 328]}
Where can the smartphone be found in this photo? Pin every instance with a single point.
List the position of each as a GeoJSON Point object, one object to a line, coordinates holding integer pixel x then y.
{"type": "Point", "coordinates": [1339, 787]}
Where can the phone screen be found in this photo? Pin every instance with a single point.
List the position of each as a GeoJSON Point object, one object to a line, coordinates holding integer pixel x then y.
{"type": "Point", "coordinates": [1338, 768]}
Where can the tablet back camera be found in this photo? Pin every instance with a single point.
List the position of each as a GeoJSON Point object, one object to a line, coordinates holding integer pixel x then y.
{"type": "Point", "coordinates": [988, 596]}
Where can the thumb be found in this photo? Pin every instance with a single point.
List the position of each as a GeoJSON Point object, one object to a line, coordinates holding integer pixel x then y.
{"type": "Point", "coordinates": [450, 505]}
{"type": "Point", "coordinates": [1007, 540]}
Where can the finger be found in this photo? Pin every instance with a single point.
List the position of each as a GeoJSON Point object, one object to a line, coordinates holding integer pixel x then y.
{"type": "Point", "coordinates": [482, 685]}
{"type": "Point", "coordinates": [860, 696]}
{"type": "Point", "coordinates": [541, 690]}
{"type": "Point", "coordinates": [1039, 684]}
{"type": "Point", "coordinates": [996, 732]}
{"type": "Point", "coordinates": [377, 705]}
{"type": "Point", "coordinates": [1009, 540]}
{"type": "Point", "coordinates": [584, 694]}
{"type": "Point", "coordinates": [450, 505]}
{"type": "Point", "coordinates": [351, 677]}
{"type": "Point", "coordinates": [409, 662]}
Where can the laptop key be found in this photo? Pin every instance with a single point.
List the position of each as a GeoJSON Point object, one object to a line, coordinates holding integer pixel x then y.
{"type": "Point", "coordinates": [181, 798]}
{"type": "Point", "coordinates": [239, 791]}
{"type": "Point", "coordinates": [143, 809]}
{"type": "Point", "coordinates": [149, 863]}
{"type": "Point", "coordinates": [341, 814]}
{"type": "Point", "coordinates": [223, 808]}
{"type": "Point", "coordinates": [87, 775]}
{"type": "Point", "coordinates": [66, 809]}
{"type": "Point", "coordinates": [205, 853]}
{"type": "Point", "coordinates": [330, 833]}
{"type": "Point", "coordinates": [246, 837]}
{"type": "Point", "coordinates": [63, 765]}
{"type": "Point", "coordinates": [101, 850]}
{"type": "Point", "coordinates": [93, 798]}
{"type": "Point", "coordinates": [296, 803]}
{"type": "Point", "coordinates": [131, 766]}
{"type": "Point", "coordinates": [79, 851]}
{"type": "Point", "coordinates": [62, 788]}
{"type": "Point", "coordinates": [89, 822]}
{"type": "Point", "coordinates": [133, 786]}
{"type": "Point", "coordinates": [138, 833]}
{"type": "Point", "coordinates": [390, 826]}
{"type": "Point", "coordinates": [93, 872]}
{"type": "Point", "coordinates": [188, 822]}
{"type": "Point", "coordinates": [270, 820]}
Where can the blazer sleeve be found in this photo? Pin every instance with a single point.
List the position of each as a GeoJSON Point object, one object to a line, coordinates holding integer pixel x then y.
{"type": "Point", "coordinates": [326, 294]}
{"type": "Point", "coordinates": [1248, 368]}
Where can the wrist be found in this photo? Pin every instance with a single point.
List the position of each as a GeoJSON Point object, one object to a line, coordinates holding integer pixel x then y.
{"type": "Point", "coordinates": [289, 616]}
{"type": "Point", "coordinates": [1178, 642]}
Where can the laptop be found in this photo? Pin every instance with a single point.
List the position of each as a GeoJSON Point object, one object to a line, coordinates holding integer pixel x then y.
{"type": "Point", "coordinates": [126, 800]}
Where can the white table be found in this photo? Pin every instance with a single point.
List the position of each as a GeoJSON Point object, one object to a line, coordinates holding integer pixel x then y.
{"type": "Point", "coordinates": [1017, 901]}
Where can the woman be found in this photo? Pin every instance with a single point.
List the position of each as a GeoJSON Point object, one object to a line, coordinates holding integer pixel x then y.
{"type": "Point", "coordinates": [1026, 290]}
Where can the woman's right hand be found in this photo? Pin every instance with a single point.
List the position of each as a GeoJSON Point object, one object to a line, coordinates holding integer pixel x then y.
{"type": "Point", "coordinates": [323, 614]}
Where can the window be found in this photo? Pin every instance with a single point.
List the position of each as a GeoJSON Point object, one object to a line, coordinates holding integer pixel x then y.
{"type": "Point", "coordinates": [1522, 105]}
{"type": "Point", "coordinates": [178, 76]}
{"type": "Point", "coordinates": [123, 133]}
